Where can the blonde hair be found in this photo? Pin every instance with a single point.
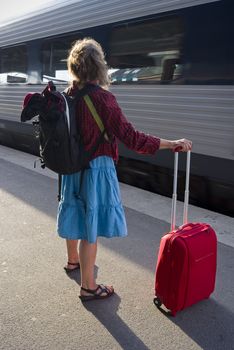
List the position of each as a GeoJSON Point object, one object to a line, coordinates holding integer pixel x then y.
{"type": "Point", "coordinates": [86, 62]}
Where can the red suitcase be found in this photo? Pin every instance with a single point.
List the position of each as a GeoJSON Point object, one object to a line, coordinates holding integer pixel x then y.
{"type": "Point", "coordinates": [186, 265]}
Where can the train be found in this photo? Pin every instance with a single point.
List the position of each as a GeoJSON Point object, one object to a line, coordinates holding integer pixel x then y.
{"type": "Point", "coordinates": [171, 64]}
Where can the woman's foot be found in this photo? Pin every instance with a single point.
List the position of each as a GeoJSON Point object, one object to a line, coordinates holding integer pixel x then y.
{"type": "Point", "coordinates": [100, 292]}
{"type": "Point", "coordinates": [72, 266]}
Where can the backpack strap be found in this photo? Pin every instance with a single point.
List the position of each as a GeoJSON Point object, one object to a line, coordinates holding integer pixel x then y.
{"type": "Point", "coordinates": [95, 115]}
{"type": "Point", "coordinates": [84, 93]}
{"type": "Point", "coordinates": [59, 186]}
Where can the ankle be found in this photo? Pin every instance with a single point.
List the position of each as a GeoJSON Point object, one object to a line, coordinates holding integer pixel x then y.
{"type": "Point", "coordinates": [73, 260]}
{"type": "Point", "coordinates": [89, 285]}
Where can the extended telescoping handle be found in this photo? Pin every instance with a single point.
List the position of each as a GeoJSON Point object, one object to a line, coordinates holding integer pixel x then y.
{"type": "Point", "coordinates": [186, 193]}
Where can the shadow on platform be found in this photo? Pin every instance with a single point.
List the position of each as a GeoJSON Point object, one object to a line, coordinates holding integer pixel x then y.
{"type": "Point", "coordinates": [107, 313]}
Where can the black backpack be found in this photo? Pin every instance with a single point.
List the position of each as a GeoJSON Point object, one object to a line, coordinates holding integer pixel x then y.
{"type": "Point", "coordinates": [61, 143]}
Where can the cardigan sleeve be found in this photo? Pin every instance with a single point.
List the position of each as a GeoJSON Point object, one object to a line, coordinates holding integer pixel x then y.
{"type": "Point", "coordinates": [117, 124]}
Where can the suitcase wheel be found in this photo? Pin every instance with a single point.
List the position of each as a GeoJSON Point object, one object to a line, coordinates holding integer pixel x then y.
{"type": "Point", "coordinates": [157, 302]}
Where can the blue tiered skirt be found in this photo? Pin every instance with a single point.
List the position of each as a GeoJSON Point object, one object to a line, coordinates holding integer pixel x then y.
{"type": "Point", "coordinates": [94, 208]}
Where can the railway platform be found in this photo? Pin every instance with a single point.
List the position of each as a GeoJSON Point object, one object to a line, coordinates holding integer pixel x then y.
{"type": "Point", "coordinates": [39, 304]}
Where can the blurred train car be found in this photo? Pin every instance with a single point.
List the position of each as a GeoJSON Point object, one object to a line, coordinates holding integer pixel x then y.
{"type": "Point", "coordinates": [172, 70]}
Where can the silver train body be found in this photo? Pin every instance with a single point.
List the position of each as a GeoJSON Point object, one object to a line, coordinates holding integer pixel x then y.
{"type": "Point", "coordinates": [196, 104]}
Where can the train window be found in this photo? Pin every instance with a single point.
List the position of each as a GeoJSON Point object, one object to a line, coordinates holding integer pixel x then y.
{"type": "Point", "coordinates": [209, 48]}
{"type": "Point", "coordinates": [148, 52]}
{"type": "Point", "coordinates": [13, 65]}
{"type": "Point", "coordinates": [54, 58]}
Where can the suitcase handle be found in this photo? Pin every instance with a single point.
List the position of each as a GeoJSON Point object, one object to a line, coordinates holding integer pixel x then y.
{"type": "Point", "coordinates": [191, 225]}
{"type": "Point", "coordinates": [186, 193]}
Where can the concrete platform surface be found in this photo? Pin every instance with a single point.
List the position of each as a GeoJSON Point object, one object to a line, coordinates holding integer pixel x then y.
{"type": "Point", "coordinates": [39, 304]}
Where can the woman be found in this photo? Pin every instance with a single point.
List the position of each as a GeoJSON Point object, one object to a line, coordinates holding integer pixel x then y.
{"type": "Point", "coordinates": [97, 210]}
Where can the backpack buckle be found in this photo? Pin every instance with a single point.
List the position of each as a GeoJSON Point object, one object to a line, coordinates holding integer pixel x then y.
{"type": "Point", "coordinates": [42, 162]}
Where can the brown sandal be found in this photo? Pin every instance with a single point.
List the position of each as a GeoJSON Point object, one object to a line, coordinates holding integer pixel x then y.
{"type": "Point", "coordinates": [68, 270]}
{"type": "Point", "coordinates": [96, 293]}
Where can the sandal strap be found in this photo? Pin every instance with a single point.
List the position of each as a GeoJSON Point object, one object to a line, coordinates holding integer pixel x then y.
{"type": "Point", "coordinates": [69, 263]}
{"type": "Point", "coordinates": [103, 289]}
{"type": "Point", "coordinates": [91, 291]}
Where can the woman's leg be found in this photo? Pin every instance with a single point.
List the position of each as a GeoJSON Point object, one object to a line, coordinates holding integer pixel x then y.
{"type": "Point", "coordinates": [88, 253]}
{"type": "Point", "coordinates": [72, 253]}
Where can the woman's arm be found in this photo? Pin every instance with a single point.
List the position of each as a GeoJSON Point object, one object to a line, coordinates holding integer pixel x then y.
{"type": "Point", "coordinates": [117, 124]}
{"type": "Point", "coordinates": [136, 140]}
